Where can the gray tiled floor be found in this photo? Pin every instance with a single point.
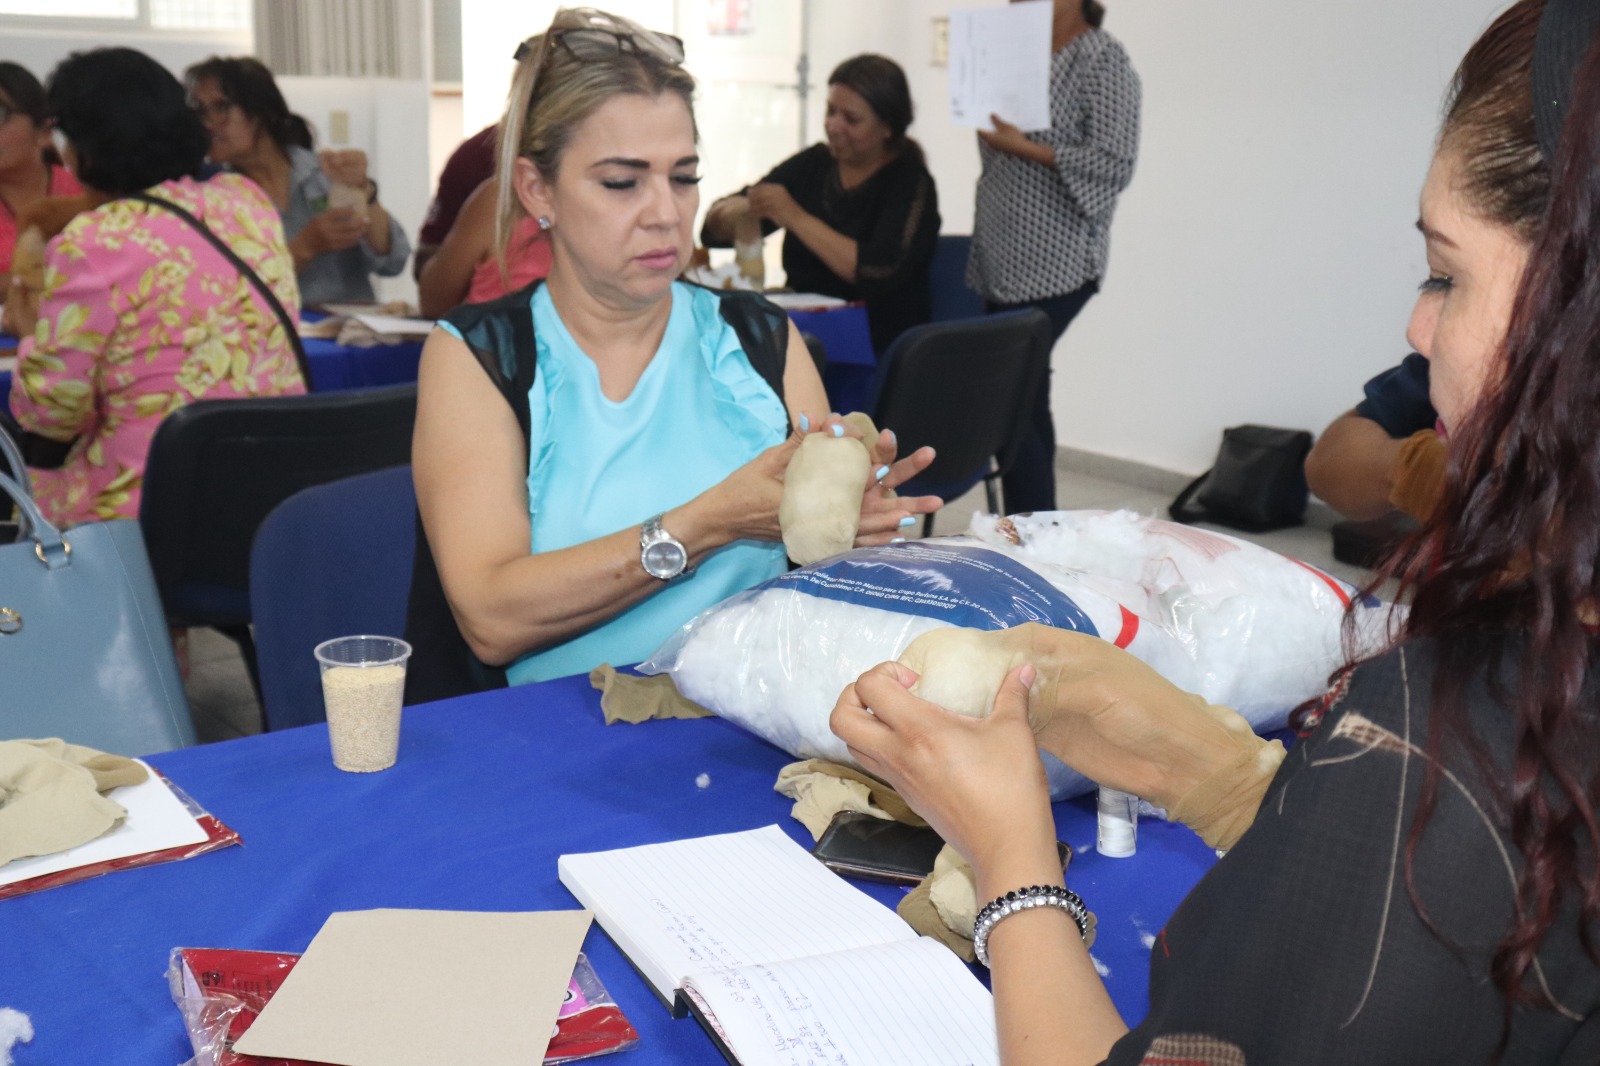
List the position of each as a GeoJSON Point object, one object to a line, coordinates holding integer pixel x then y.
{"type": "Point", "coordinates": [225, 706]}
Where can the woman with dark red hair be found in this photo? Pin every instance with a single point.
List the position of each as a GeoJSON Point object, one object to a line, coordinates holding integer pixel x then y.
{"type": "Point", "coordinates": [1419, 880]}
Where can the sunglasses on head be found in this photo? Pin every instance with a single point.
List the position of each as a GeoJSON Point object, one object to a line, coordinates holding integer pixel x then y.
{"type": "Point", "coordinates": [594, 42]}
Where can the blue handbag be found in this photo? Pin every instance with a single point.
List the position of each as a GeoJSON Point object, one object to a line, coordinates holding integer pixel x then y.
{"type": "Point", "coordinates": [84, 649]}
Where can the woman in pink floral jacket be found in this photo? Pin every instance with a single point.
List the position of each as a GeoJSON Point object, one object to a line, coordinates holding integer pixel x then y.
{"type": "Point", "coordinates": [140, 314]}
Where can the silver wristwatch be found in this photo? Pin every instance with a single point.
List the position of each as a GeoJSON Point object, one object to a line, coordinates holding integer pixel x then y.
{"type": "Point", "coordinates": [662, 555]}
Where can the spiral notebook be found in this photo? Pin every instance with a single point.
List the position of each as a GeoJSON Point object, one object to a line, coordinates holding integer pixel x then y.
{"type": "Point", "coordinates": [781, 960]}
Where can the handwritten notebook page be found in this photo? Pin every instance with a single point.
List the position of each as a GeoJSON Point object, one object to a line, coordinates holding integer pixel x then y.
{"type": "Point", "coordinates": [689, 906]}
{"type": "Point", "coordinates": [911, 1002]}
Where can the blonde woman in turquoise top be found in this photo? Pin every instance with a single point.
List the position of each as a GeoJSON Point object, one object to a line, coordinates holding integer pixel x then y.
{"type": "Point", "coordinates": [600, 457]}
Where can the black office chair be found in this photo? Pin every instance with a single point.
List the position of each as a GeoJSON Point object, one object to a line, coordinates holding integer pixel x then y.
{"type": "Point", "coordinates": [966, 388]}
{"type": "Point", "coordinates": [217, 468]}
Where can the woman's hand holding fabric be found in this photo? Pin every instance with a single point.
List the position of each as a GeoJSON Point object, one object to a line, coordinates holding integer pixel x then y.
{"type": "Point", "coordinates": [978, 781]}
{"type": "Point", "coordinates": [883, 512]}
{"type": "Point", "coordinates": [344, 166]}
{"type": "Point", "coordinates": [772, 202]}
{"type": "Point", "coordinates": [21, 309]}
{"type": "Point", "coordinates": [332, 230]}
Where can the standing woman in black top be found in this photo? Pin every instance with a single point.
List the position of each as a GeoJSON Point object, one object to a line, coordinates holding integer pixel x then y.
{"type": "Point", "coordinates": [1042, 225]}
{"type": "Point", "coordinates": [859, 211]}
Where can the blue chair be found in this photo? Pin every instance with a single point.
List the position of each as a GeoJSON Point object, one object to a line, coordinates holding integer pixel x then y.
{"type": "Point", "coordinates": [947, 279]}
{"type": "Point", "coordinates": [966, 388]}
{"type": "Point", "coordinates": [329, 561]}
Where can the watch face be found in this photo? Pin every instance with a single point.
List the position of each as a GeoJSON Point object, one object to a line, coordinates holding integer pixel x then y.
{"type": "Point", "coordinates": [664, 559]}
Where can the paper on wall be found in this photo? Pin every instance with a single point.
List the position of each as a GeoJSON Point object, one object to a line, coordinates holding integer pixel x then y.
{"type": "Point", "coordinates": [1000, 65]}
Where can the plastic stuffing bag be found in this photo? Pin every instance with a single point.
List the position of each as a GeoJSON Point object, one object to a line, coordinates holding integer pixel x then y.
{"type": "Point", "coordinates": [1236, 623]}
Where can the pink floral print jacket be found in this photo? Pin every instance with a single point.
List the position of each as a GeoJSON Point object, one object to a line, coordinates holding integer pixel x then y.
{"type": "Point", "coordinates": [139, 316]}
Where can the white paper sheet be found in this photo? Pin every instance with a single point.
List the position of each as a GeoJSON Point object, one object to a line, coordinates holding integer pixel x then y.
{"type": "Point", "coordinates": [684, 906]}
{"type": "Point", "coordinates": [396, 325]}
{"type": "Point", "coordinates": [804, 301]}
{"type": "Point", "coordinates": [157, 820]}
{"type": "Point", "coordinates": [781, 1014]}
{"type": "Point", "coordinates": [1000, 65]}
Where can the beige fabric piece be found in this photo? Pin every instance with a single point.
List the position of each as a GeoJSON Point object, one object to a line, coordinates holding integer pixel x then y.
{"type": "Point", "coordinates": [627, 698]}
{"type": "Point", "coordinates": [953, 890]}
{"type": "Point", "coordinates": [918, 909]}
{"type": "Point", "coordinates": [945, 905]}
{"type": "Point", "coordinates": [50, 795]}
{"type": "Point", "coordinates": [822, 789]}
{"type": "Point", "coordinates": [1224, 805]}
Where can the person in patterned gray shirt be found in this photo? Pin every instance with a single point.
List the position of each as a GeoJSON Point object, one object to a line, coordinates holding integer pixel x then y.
{"type": "Point", "coordinates": [1042, 226]}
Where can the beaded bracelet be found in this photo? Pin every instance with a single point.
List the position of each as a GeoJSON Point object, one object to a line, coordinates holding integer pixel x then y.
{"type": "Point", "coordinates": [1023, 899]}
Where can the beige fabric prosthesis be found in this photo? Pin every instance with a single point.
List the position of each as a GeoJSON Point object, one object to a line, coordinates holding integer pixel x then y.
{"type": "Point", "coordinates": [1110, 717]}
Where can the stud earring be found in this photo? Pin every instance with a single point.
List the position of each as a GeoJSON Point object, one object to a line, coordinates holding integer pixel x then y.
{"type": "Point", "coordinates": [544, 223]}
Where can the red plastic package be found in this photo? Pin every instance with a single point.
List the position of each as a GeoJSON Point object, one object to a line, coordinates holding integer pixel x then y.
{"type": "Point", "coordinates": [220, 992]}
{"type": "Point", "coordinates": [217, 836]}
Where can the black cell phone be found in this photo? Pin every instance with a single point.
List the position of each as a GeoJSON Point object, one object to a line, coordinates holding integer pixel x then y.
{"type": "Point", "coordinates": [859, 845]}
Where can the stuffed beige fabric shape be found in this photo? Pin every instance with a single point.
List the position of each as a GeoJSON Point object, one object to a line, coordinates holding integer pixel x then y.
{"type": "Point", "coordinates": [822, 489]}
{"type": "Point", "coordinates": [962, 670]}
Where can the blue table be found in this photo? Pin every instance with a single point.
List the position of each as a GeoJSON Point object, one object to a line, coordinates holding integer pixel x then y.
{"type": "Point", "coordinates": [488, 791]}
{"type": "Point", "coordinates": [334, 367]}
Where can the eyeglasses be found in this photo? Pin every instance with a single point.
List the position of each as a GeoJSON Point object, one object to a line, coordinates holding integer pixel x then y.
{"type": "Point", "coordinates": [593, 42]}
{"type": "Point", "coordinates": [217, 111]}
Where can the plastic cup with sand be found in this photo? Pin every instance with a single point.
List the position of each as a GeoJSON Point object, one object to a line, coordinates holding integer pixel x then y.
{"type": "Point", "coordinates": [363, 683]}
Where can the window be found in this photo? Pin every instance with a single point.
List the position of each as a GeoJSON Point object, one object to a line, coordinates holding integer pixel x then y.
{"type": "Point", "coordinates": [231, 15]}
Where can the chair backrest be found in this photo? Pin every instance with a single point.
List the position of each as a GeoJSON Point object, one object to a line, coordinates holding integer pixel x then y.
{"type": "Point", "coordinates": [963, 387]}
{"type": "Point", "coordinates": [217, 468]}
{"type": "Point", "coordinates": [330, 561]}
{"type": "Point", "coordinates": [947, 276]}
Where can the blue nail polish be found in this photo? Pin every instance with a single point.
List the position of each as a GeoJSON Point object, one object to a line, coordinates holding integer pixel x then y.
{"type": "Point", "coordinates": [908, 520]}
{"type": "Point", "coordinates": [897, 540]}
{"type": "Point", "coordinates": [805, 424]}
{"type": "Point", "coordinates": [882, 472]}
{"type": "Point", "coordinates": [838, 430]}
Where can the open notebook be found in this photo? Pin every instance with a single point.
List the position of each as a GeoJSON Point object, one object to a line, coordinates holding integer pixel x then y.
{"type": "Point", "coordinates": [780, 959]}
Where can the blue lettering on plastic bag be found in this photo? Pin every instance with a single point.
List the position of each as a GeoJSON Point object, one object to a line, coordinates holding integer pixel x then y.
{"type": "Point", "coordinates": [963, 585]}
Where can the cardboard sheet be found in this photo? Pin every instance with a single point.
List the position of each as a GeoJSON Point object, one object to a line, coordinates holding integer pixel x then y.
{"type": "Point", "coordinates": [417, 988]}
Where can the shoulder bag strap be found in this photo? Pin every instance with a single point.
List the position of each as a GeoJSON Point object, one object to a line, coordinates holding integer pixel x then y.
{"type": "Point", "coordinates": [244, 269]}
{"type": "Point", "coordinates": [1182, 510]}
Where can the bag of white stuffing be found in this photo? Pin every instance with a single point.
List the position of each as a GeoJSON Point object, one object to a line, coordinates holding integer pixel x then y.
{"type": "Point", "coordinates": [1238, 624]}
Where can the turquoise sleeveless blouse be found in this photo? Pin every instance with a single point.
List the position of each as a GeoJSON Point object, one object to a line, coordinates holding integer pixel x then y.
{"type": "Point", "coordinates": [595, 466]}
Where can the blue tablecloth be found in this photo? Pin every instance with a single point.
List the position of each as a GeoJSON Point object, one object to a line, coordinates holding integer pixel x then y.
{"type": "Point", "coordinates": [488, 791]}
{"type": "Point", "coordinates": [334, 367]}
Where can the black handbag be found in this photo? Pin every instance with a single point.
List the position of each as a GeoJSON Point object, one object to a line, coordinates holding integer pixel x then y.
{"type": "Point", "coordinates": [1258, 482]}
